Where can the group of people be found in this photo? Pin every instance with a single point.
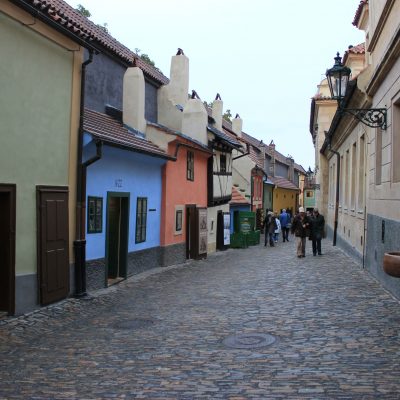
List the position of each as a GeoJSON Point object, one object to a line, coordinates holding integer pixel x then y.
{"type": "Point", "coordinates": [274, 225]}
{"type": "Point", "coordinates": [303, 225]}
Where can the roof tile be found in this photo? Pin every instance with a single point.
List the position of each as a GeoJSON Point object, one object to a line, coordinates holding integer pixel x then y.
{"type": "Point", "coordinates": [111, 131]}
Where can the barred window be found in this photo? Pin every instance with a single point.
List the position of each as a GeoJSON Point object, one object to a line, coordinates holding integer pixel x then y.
{"type": "Point", "coordinates": [141, 219]}
{"type": "Point", "coordinates": [190, 166]}
{"type": "Point", "coordinates": [95, 214]}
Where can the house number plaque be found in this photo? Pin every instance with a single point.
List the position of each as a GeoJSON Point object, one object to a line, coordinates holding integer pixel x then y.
{"type": "Point", "coordinates": [118, 183]}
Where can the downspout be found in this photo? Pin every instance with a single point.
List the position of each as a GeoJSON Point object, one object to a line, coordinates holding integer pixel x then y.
{"type": "Point", "coordinates": [80, 242]}
{"type": "Point", "coordinates": [337, 195]}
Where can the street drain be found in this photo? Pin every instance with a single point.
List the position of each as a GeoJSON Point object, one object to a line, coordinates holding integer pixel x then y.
{"type": "Point", "coordinates": [249, 340]}
{"type": "Point", "coordinates": [137, 323]}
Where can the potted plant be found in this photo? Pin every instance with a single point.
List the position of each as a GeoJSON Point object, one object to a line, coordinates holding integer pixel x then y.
{"type": "Point", "coordinates": [391, 263]}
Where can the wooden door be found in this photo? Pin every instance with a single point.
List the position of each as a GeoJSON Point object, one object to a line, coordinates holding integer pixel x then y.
{"type": "Point", "coordinates": [7, 248]}
{"type": "Point", "coordinates": [191, 224]}
{"type": "Point", "coordinates": [117, 235]}
{"type": "Point", "coordinates": [53, 260]}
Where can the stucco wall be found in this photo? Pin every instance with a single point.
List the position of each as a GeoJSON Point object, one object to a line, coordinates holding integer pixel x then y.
{"type": "Point", "coordinates": [104, 85]}
{"type": "Point", "coordinates": [284, 198]}
{"type": "Point", "coordinates": [36, 80]}
{"type": "Point", "coordinates": [125, 171]}
{"type": "Point", "coordinates": [179, 191]}
{"type": "Point", "coordinates": [376, 248]}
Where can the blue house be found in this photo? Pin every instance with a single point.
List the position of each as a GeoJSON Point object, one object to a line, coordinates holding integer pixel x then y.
{"type": "Point", "coordinates": [123, 189]}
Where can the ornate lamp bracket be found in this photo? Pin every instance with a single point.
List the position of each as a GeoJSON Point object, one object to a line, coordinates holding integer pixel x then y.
{"type": "Point", "coordinates": [372, 117]}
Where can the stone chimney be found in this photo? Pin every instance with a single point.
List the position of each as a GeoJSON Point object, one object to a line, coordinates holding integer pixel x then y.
{"type": "Point", "coordinates": [175, 93]}
{"type": "Point", "coordinates": [134, 99]}
{"type": "Point", "coordinates": [195, 118]}
{"type": "Point", "coordinates": [217, 109]}
{"type": "Point", "coordinates": [272, 163]}
{"type": "Point", "coordinates": [237, 124]}
{"type": "Point", "coordinates": [178, 86]}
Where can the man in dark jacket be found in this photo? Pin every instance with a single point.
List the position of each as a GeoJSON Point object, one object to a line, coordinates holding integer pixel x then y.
{"type": "Point", "coordinates": [300, 227]}
{"type": "Point", "coordinates": [269, 228]}
{"type": "Point", "coordinates": [317, 231]}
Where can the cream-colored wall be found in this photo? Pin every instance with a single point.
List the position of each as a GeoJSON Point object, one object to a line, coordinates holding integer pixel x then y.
{"type": "Point", "coordinates": [212, 225]}
{"type": "Point", "coordinates": [383, 200]}
{"type": "Point", "coordinates": [194, 120]}
{"type": "Point", "coordinates": [324, 112]}
{"type": "Point", "coordinates": [241, 173]}
{"type": "Point", "coordinates": [350, 213]}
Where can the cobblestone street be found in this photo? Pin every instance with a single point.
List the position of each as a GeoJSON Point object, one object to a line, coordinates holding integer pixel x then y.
{"type": "Point", "coordinates": [201, 331]}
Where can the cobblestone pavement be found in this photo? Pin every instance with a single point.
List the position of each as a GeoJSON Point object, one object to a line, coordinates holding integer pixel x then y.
{"type": "Point", "coordinates": [200, 331]}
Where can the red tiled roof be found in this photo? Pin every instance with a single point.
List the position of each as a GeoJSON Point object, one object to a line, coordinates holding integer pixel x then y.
{"type": "Point", "coordinates": [237, 197]}
{"type": "Point", "coordinates": [67, 17]}
{"type": "Point", "coordinates": [283, 182]}
{"type": "Point", "coordinates": [359, 12]}
{"type": "Point", "coordinates": [359, 49]}
{"type": "Point", "coordinates": [113, 132]}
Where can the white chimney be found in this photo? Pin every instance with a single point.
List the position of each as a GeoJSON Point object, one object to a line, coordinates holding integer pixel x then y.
{"type": "Point", "coordinates": [237, 124]}
{"type": "Point", "coordinates": [178, 87]}
{"type": "Point", "coordinates": [217, 107]}
{"type": "Point", "coordinates": [133, 102]}
{"type": "Point", "coordinates": [195, 118]}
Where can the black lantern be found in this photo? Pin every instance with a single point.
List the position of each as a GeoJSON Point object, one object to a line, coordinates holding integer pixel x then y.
{"type": "Point", "coordinates": [338, 78]}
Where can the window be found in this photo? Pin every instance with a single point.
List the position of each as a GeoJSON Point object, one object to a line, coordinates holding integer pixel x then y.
{"type": "Point", "coordinates": [95, 214]}
{"type": "Point", "coordinates": [141, 219]}
{"type": "Point", "coordinates": [361, 174]}
{"type": "Point", "coordinates": [190, 166]}
{"type": "Point", "coordinates": [178, 220]}
{"type": "Point", "coordinates": [396, 142]}
{"type": "Point", "coordinates": [309, 193]}
{"type": "Point", "coordinates": [378, 157]}
{"type": "Point", "coordinates": [222, 163]}
{"type": "Point", "coordinates": [353, 176]}
{"type": "Point", "coordinates": [347, 179]}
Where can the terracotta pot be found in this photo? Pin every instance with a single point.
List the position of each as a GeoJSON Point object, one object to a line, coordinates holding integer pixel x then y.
{"type": "Point", "coordinates": [391, 263]}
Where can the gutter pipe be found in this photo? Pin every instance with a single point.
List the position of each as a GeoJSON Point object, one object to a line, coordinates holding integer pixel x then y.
{"type": "Point", "coordinates": [80, 240]}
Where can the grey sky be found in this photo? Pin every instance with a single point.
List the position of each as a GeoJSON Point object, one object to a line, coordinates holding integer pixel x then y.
{"type": "Point", "coordinates": [264, 57]}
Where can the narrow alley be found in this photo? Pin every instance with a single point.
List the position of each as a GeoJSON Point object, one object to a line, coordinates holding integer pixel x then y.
{"type": "Point", "coordinates": [256, 323]}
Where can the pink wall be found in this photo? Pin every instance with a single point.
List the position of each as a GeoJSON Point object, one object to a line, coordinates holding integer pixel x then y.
{"type": "Point", "coordinates": [177, 190]}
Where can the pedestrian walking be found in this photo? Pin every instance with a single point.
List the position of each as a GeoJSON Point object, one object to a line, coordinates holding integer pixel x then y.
{"type": "Point", "coordinates": [285, 221]}
{"type": "Point", "coordinates": [300, 227]}
{"type": "Point", "coordinates": [278, 228]}
{"type": "Point", "coordinates": [269, 228]}
{"type": "Point", "coordinates": [317, 231]}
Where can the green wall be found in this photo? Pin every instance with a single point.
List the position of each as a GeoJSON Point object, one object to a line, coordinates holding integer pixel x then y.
{"type": "Point", "coordinates": [35, 108]}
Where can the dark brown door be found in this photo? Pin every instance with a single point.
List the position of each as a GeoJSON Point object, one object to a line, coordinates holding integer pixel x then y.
{"type": "Point", "coordinates": [191, 231]}
{"type": "Point", "coordinates": [53, 266]}
{"type": "Point", "coordinates": [117, 236]}
{"type": "Point", "coordinates": [7, 248]}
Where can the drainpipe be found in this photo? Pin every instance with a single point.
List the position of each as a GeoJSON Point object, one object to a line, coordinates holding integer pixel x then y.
{"type": "Point", "coordinates": [80, 242]}
{"type": "Point", "coordinates": [337, 194]}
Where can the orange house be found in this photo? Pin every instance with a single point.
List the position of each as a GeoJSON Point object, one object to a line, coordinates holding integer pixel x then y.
{"type": "Point", "coordinates": [184, 198]}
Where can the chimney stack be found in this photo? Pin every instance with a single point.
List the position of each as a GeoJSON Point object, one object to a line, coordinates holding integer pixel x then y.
{"type": "Point", "coordinates": [134, 99]}
{"type": "Point", "coordinates": [195, 118]}
{"type": "Point", "coordinates": [237, 124]}
{"type": "Point", "coordinates": [217, 109]}
{"type": "Point", "coordinates": [179, 78]}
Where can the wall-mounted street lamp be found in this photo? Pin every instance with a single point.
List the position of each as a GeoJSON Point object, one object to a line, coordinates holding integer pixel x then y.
{"type": "Point", "coordinates": [338, 79]}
